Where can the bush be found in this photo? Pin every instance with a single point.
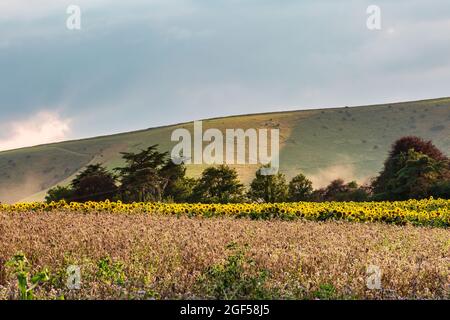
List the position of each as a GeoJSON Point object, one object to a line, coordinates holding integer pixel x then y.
{"type": "Point", "coordinates": [59, 193]}
{"type": "Point", "coordinates": [218, 185]}
{"type": "Point", "coordinates": [233, 280]}
{"type": "Point", "coordinates": [268, 188]}
{"type": "Point", "coordinates": [300, 188]}
{"type": "Point", "coordinates": [410, 171]}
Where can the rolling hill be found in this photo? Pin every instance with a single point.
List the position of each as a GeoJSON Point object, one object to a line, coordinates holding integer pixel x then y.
{"type": "Point", "coordinates": [348, 142]}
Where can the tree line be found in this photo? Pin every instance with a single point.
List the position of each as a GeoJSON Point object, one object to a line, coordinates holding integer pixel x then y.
{"type": "Point", "coordinates": [414, 169]}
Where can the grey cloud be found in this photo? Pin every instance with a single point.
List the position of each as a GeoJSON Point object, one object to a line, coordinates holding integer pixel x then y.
{"type": "Point", "coordinates": [171, 61]}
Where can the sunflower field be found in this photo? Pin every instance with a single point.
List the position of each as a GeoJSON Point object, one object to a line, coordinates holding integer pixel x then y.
{"type": "Point", "coordinates": [427, 212]}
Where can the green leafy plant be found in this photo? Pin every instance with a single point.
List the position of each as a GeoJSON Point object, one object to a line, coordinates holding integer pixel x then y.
{"type": "Point", "coordinates": [110, 271]}
{"type": "Point", "coordinates": [27, 282]}
{"type": "Point", "coordinates": [325, 292]}
{"type": "Point", "coordinates": [233, 279]}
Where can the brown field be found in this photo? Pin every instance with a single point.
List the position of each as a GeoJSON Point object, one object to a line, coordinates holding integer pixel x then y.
{"type": "Point", "coordinates": [162, 257]}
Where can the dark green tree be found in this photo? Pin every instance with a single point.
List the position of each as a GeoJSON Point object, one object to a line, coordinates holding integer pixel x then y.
{"type": "Point", "coordinates": [338, 190]}
{"type": "Point", "coordinates": [142, 178]}
{"type": "Point", "coordinates": [383, 186]}
{"type": "Point", "coordinates": [352, 192]}
{"type": "Point", "coordinates": [218, 185]}
{"type": "Point", "coordinates": [300, 188]}
{"type": "Point", "coordinates": [179, 188]}
{"type": "Point", "coordinates": [335, 188]}
{"type": "Point", "coordinates": [417, 177]}
{"type": "Point", "coordinates": [441, 189]}
{"type": "Point", "coordinates": [268, 188]}
{"type": "Point", "coordinates": [59, 193]}
{"type": "Point", "coordinates": [95, 183]}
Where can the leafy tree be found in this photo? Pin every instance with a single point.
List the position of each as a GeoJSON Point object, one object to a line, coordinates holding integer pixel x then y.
{"type": "Point", "coordinates": [178, 187]}
{"type": "Point", "coordinates": [300, 188]}
{"type": "Point", "coordinates": [415, 179]}
{"type": "Point", "coordinates": [353, 192]}
{"type": "Point", "coordinates": [335, 188]}
{"type": "Point", "coordinates": [144, 177]}
{"type": "Point", "coordinates": [59, 193]}
{"type": "Point", "coordinates": [218, 185]}
{"type": "Point", "coordinates": [318, 195]}
{"type": "Point", "coordinates": [95, 183]}
{"type": "Point", "coordinates": [414, 169]}
{"type": "Point", "coordinates": [396, 160]}
{"type": "Point", "coordinates": [404, 144]}
{"type": "Point", "coordinates": [338, 190]}
{"type": "Point", "coordinates": [441, 189]}
{"type": "Point", "coordinates": [150, 175]}
{"type": "Point", "coordinates": [181, 190]}
{"type": "Point", "coordinates": [268, 188]}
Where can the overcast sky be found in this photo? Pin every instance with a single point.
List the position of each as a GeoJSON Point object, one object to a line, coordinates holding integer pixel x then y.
{"type": "Point", "coordinates": [137, 64]}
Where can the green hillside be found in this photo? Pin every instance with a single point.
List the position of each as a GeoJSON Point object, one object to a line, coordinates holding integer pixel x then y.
{"type": "Point", "coordinates": [324, 144]}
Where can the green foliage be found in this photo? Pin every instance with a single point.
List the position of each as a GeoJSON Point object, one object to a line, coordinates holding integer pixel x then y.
{"type": "Point", "coordinates": [338, 190]}
{"type": "Point", "coordinates": [347, 192]}
{"type": "Point", "coordinates": [325, 292]}
{"type": "Point", "coordinates": [234, 280]}
{"type": "Point", "coordinates": [418, 176]}
{"type": "Point", "coordinates": [218, 185]}
{"type": "Point", "coordinates": [268, 188]}
{"type": "Point", "coordinates": [110, 272]}
{"type": "Point", "coordinates": [415, 169]}
{"type": "Point", "coordinates": [141, 177]}
{"type": "Point", "coordinates": [441, 189]}
{"type": "Point", "coordinates": [300, 188]}
{"type": "Point", "coordinates": [94, 183]}
{"type": "Point", "coordinates": [59, 193]}
{"type": "Point", "coordinates": [27, 282]}
{"type": "Point", "coordinates": [150, 175]}
{"type": "Point", "coordinates": [179, 188]}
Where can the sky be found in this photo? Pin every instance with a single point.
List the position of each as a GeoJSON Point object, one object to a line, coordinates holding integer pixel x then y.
{"type": "Point", "coordinates": [137, 64]}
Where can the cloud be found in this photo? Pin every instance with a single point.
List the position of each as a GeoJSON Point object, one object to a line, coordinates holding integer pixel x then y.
{"type": "Point", "coordinates": [44, 127]}
{"type": "Point", "coordinates": [179, 60]}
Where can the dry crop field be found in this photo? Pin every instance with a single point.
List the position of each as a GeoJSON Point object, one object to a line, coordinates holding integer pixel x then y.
{"type": "Point", "coordinates": [142, 256]}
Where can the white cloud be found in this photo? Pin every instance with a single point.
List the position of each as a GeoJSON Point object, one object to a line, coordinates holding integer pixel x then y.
{"type": "Point", "coordinates": [44, 127]}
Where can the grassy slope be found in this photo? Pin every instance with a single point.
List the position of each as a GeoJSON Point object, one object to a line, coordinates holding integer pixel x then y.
{"type": "Point", "coordinates": [351, 143]}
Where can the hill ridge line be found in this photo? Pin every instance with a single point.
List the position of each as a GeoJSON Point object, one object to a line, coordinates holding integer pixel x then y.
{"type": "Point", "coordinates": [55, 144]}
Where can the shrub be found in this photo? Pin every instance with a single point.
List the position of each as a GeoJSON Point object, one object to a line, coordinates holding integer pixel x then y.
{"type": "Point", "coordinates": [219, 185]}
{"type": "Point", "coordinates": [300, 188]}
{"type": "Point", "coordinates": [110, 272]}
{"type": "Point", "coordinates": [268, 188]}
{"type": "Point", "coordinates": [233, 280]}
{"type": "Point", "coordinates": [27, 282]}
{"type": "Point", "coordinates": [59, 193]}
